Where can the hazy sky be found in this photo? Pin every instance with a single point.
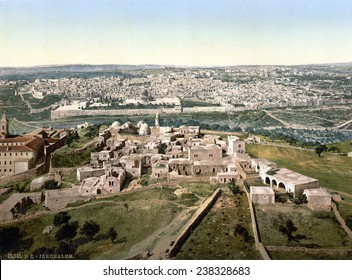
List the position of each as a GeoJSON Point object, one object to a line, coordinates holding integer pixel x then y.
{"type": "Point", "coordinates": [177, 32]}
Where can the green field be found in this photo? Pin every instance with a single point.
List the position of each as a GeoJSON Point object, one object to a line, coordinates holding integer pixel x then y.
{"type": "Point", "coordinates": [12, 104]}
{"type": "Point", "coordinates": [345, 146]}
{"type": "Point", "coordinates": [215, 238]}
{"type": "Point", "coordinates": [135, 217]}
{"type": "Point", "coordinates": [333, 171]}
{"type": "Point", "coordinates": [314, 229]}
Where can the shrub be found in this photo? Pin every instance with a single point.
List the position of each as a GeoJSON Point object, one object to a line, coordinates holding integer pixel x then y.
{"type": "Point", "coordinates": [61, 218]}
{"type": "Point", "coordinates": [67, 231]}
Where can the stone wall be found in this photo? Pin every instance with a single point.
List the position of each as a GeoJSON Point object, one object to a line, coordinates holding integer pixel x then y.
{"type": "Point", "coordinates": [64, 170]}
{"type": "Point", "coordinates": [57, 114]}
{"type": "Point", "coordinates": [192, 224]}
{"type": "Point", "coordinates": [258, 244]}
{"type": "Point", "coordinates": [41, 169]}
{"type": "Point", "coordinates": [203, 109]}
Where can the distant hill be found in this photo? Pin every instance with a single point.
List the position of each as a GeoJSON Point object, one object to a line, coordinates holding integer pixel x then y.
{"type": "Point", "coordinates": [73, 68]}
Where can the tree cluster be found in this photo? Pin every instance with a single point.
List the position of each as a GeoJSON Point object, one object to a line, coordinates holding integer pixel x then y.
{"type": "Point", "coordinates": [72, 137]}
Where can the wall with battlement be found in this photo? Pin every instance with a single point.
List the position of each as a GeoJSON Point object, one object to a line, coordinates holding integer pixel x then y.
{"type": "Point", "coordinates": [60, 113]}
{"type": "Point", "coordinates": [73, 113]}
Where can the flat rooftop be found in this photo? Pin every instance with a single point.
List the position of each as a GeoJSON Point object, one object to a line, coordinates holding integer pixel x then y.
{"type": "Point", "coordinates": [316, 192]}
{"type": "Point", "coordinates": [292, 177]}
{"type": "Point", "coordinates": [261, 190]}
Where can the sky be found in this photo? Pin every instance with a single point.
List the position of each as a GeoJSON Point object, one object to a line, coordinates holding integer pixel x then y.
{"type": "Point", "coordinates": [175, 32]}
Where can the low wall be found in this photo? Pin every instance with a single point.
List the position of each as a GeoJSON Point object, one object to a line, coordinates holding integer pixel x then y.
{"type": "Point", "coordinates": [192, 224]}
{"type": "Point", "coordinates": [325, 251]}
{"type": "Point", "coordinates": [64, 170]}
{"type": "Point", "coordinates": [260, 247]}
{"type": "Point", "coordinates": [41, 169]}
{"type": "Point", "coordinates": [341, 220]}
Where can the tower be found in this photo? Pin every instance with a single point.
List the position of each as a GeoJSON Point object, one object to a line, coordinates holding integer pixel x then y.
{"type": "Point", "coordinates": [157, 120]}
{"type": "Point", "coordinates": [4, 129]}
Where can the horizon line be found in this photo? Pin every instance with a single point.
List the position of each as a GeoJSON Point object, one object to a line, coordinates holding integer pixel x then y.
{"type": "Point", "coordinates": [172, 65]}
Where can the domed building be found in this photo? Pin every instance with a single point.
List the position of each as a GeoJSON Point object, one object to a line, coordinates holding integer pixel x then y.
{"type": "Point", "coordinates": [115, 125]}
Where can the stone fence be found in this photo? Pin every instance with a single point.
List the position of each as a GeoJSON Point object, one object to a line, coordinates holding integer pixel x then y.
{"type": "Point", "coordinates": [260, 247]}
{"type": "Point", "coordinates": [341, 220]}
{"type": "Point", "coordinates": [39, 170]}
{"type": "Point", "coordinates": [63, 170]}
{"type": "Point", "coordinates": [193, 223]}
{"type": "Point", "coordinates": [325, 251]}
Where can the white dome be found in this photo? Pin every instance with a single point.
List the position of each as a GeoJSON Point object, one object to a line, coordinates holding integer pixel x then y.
{"type": "Point", "coordinates": [115, 124]}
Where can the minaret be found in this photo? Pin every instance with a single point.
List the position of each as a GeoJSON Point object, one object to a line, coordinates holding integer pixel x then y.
{"type": "Point", "coordinates": [4, 128]}
{"type": "Point", "coordinates": [157, 120]}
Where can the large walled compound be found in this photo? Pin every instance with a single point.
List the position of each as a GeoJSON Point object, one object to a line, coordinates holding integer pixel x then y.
{"type": "Point", "coordinates": [21, 153]}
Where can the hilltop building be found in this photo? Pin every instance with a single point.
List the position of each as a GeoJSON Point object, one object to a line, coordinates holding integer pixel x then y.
{"type": "Point", "coordinates": [22, 153]}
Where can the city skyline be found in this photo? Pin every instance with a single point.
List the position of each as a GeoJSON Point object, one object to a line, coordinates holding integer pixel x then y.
{"type": "Point", "coordinates": [190, 33]}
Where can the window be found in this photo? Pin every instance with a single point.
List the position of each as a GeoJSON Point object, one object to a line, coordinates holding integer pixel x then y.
{"type": "Point", "coordinates": [10, 170]}
{"type": "Point", "coordinates": [210, 155]}
{"type": "Point", "coordinates": [195, 155]}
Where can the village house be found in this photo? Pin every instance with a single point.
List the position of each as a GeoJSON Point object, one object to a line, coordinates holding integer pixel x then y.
{"type": "Point", "coordinates": [285, 180]}
{"type": "Point", "coordinates": [318, 199]}
{"type": "Point", "coordinates": [262, 195]}
{"type": "Point", "coordinates": [133, 164]}
{"type": "Point", "coordinates": [208, 152]}
{"type": "Point", "coordinates": [223, 177]}
{"type": "Point", "coordinates": [60, 198]}
{"type": "Point", "coordinates": [160, 169]}
{"type": "Point", "coordinates": [110, 182]}
{"type": "Point", "coordinates": [235, 146]}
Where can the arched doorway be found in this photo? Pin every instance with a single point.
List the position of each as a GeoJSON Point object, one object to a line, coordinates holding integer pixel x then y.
{"type": "Point", "coordinates": [274, 183]}
{"type": "Point", "coordinates": [267, 180]}
{"type": "Point", "coordinates": [282, 187]}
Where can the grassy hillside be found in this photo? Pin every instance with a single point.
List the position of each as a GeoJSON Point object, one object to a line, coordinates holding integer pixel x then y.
{"type": "Point", "coordinates": [333, 171]}
{"type": "Point", "coordinates": [345, 146]}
